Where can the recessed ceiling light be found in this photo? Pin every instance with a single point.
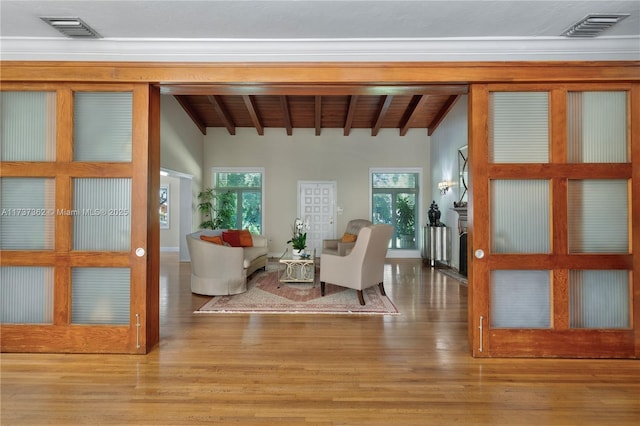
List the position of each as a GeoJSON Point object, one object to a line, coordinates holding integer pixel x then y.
{"type": "Point", "coordinates": [72, 27]}
{"type": "Point", "coordinates": [593, 25]}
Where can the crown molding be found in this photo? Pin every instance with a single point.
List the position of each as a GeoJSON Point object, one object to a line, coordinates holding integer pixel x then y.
{"type": "Point", "coordinates": [322, 50]}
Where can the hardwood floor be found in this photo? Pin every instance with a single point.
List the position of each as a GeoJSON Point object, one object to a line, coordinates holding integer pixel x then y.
{"type": "Point", "coordinates": [409, 369]}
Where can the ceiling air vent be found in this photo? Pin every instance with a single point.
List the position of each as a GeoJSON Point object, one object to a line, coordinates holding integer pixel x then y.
{"type": "Point", "coordinates": [593, 25]}
{"type": "Point", "coordinates": [72, 27]}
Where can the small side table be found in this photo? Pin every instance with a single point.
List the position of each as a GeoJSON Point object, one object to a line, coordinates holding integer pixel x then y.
{"type": "Point", "coordinates": [297, 269]}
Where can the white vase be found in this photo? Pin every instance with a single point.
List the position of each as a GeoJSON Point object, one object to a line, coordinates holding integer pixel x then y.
{"type": "Point", "coordinates": [297, 253]}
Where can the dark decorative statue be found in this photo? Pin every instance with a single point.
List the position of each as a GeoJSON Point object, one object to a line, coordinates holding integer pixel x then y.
{"type": "Point", "coordinates": [434, 214]}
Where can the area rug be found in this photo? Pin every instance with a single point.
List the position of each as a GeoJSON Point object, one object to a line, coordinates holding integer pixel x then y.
{"type": "Point", "coordinates": [266, 294]}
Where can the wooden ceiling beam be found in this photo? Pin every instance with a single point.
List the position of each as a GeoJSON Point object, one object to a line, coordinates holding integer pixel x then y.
{"type": "Point", "coordinates": [284, 102]}
{"type": "Point", "coordinates": [353, 102]}
{"type": "Point", "coordinates": [442, 114]}
{"type": "Point", "coordinates": [216, 101]}
{"type": "Point", "coordinates": [250, 103]}
{"type": "Point", "coordinates": [186, 106]}
{"type": "Point", "coordinates": [314, 89]}
{"type": "Point", "coordinates": [318, 114]}
{"type": "Point", "coordinates": [412, 110]}
{"type": "Point", "coordinates": [385, 103]}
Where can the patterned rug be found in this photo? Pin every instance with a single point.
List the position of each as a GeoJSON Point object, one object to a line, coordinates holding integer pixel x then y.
{"type": "Point", "coordinates": [266, 294]}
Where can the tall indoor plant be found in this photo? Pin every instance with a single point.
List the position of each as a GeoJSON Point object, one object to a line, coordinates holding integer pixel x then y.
{"type": "Point", "coordinates": [220, 215]}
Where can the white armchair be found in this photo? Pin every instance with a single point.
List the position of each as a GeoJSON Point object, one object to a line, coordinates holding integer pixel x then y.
{"type": "Point", "coordinates": [363, 267]}
{"type": "Point", "coordinates": [339, 246]}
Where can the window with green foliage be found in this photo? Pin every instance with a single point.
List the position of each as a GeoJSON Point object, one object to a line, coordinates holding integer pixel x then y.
{"type": "Point", "coordinates": [395, 202]}
{"type": "Point", "coordinates": [238, 198]}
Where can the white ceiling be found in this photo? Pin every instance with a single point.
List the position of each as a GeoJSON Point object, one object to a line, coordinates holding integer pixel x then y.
{"type": "Point", "coordinates": [322, 30]}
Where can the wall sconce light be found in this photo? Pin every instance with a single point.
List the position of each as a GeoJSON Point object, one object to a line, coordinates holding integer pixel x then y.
{"type": "Point", "coordinates": [443, 187]}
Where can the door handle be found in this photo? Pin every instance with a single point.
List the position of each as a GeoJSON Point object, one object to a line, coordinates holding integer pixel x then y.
{"type": "Point", "coordinates": [479, 254]}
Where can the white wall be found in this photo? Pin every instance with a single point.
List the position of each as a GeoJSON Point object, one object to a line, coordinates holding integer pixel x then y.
{"type": "Point", "coordinates": [181, 147]}
{"type": "Point", "coordinates": [445, 141]}
{"type": "Point", "coordinates": [304, 156]}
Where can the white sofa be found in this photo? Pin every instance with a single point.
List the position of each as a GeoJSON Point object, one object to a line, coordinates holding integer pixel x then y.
{"type": "Point", "coordinates": [222, 270]}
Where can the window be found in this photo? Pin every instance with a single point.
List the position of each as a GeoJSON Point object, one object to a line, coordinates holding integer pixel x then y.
{"type": "Point", "coordinates": [395, 201]}
{"type": "Point", "coordinates": [238, 197]}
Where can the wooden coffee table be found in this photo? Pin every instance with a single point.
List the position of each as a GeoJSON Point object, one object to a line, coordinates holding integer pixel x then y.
{"type": "Point", "coordinates": [298, 269]}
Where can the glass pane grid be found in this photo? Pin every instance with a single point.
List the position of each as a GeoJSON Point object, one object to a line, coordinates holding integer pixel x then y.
{"type": "Point", "coordinates": [395, 202]}
{"type": "Point", "coordinates": [238, 200]}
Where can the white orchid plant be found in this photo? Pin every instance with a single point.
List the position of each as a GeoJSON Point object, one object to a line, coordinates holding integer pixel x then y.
{"type": "Point", "coordinates": [299, 230]}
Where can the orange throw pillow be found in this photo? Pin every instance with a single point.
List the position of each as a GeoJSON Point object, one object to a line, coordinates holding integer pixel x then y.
{"type": "Point", "coordinates": [245, 238]}
{"type": "Point", "coordinates": [215, 240]}
{"type": "Point", "coordinates": [349, 238]}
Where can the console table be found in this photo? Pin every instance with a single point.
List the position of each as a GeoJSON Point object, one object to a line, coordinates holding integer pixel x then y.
{"type": "Point", "coordinates": [436, 244]}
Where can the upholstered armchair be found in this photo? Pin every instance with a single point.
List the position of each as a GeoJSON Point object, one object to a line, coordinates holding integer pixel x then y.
{"type": "Point", "coordinates": [342, 245]}
{"type": "Point", "coordinates": [363, 267]}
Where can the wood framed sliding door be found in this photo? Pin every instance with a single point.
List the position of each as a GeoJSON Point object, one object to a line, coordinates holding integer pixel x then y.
{"type": "Point", "coordinates": [555, 214]}
{"type": "Point", "coordinates": [77, 238]}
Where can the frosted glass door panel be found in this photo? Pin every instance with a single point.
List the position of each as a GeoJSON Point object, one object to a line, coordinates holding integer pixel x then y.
{"type": "Point", "coordinates": [27, 213]}
{"type": "Point", "coordinates": [100, 295]}
{"type": "Point", "coordinates": [102, 214]}
{"type": "Point", "coordinates": [598, 216]}
{"type": "Point", "coordinates": [103, 126]}
{"type": "Point", "coordinates": [597, 127]}
{"type": "Point", "coordinates": [519, 127]}
{"type": "Point", "coordinates": [520, 299]}
{"type": "Point", "coordinates": [599, 299]}
{"type": "Point", "coordinates": [26, 295]}
{"type": "Point", "coordinates": [28, 126]}
{"type": "Point", "coordinates": [519, 216]}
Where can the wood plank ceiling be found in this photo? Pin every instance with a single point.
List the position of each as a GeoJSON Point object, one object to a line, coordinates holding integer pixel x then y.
{"type": "Point", "coordinates": [374, 107]}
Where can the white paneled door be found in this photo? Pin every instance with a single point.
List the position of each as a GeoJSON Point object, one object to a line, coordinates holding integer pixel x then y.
{"type": "Point", "coordinates": [316, 205]}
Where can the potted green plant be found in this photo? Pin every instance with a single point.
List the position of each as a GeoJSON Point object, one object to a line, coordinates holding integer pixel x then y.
{"type": "Point", "coordinates": [220, 216]}
{"type": "Point", "coordinates": [405, 221]}
{"type": "Point", "coordinates": [299, 236]}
